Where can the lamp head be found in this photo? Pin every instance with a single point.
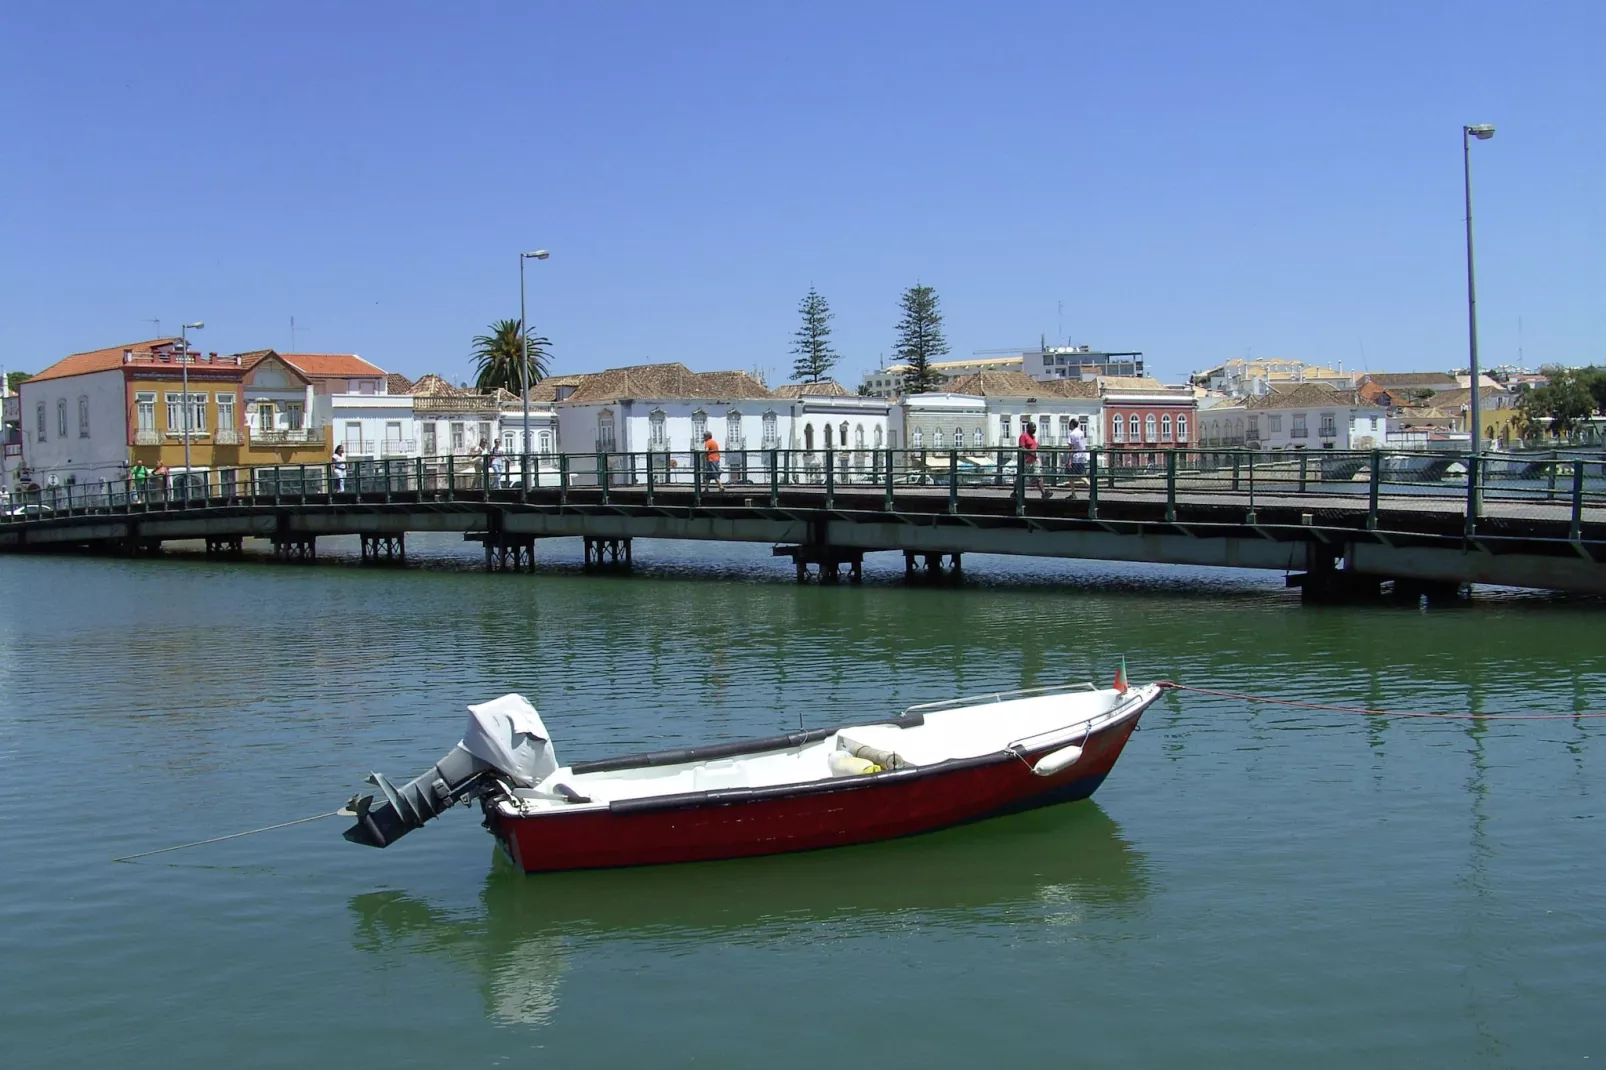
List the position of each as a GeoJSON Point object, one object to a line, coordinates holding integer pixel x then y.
{"type": "Point", "coordinates": [539, 254]}
{"type": "Point", "coordinates": [1483, 131]}
{"type": "Point", "coordinates": [197, 325]}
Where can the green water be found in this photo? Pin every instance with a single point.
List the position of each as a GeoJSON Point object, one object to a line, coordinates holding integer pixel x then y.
{"type": "Point", "coordinates": [1253, 886]}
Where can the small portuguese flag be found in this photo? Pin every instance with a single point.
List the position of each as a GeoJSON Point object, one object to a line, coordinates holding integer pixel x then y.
{"type": "Point", "coordinates": [1120, 676]}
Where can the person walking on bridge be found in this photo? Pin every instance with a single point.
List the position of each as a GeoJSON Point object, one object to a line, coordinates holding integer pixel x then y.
{"type": "Point", "coordinates": [1077, 441]}
{"type": "Point", "coordinates": [711, 459]}
{"type": "Point", "coordinates": [1030, 469]}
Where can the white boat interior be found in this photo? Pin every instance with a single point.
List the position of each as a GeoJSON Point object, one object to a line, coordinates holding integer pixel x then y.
{"type": "Point", "coordinates": [1057, 718]}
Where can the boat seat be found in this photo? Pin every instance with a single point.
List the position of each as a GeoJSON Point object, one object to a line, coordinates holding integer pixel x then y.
{"type": "Point", "coordinates": [712, 776]}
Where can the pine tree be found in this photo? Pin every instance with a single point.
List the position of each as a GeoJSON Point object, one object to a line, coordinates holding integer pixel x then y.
{"type": "Point", "coordinates": [813, 340]}
{"type": "Point", "coordinates": [920, 339]}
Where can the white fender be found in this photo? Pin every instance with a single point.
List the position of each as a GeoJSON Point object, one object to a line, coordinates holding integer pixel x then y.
{"type": "Point", "coordinates": [1055, 761]}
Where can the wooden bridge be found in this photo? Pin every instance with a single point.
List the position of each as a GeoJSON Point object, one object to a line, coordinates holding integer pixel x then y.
{"type": "Point", "coordinates": [1338, 524]}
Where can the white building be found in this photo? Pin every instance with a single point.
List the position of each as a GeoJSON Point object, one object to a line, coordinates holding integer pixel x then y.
{"type": "Point", "coordinates": [661, 411]}
{"type": "Point", "coordinates": [1013, 399]}
{"type": "Point", "coordinates": [1078, 362]}
{"type": "Point", "coordinates": [824, 417]}
{"type": "Point", "coordinates": [888, 382]}
{"type": "Point", "coordinates": [944, 421]}
{"type": "Point", "coordinates": [1307, 417]}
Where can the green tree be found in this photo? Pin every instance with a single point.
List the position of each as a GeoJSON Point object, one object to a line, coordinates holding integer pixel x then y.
{"type": "Point", "coordinates": [496, 357]}
{"type": "Point", "coordinates": [812, 344]}
{"type": "Point", "coordinates": [1594, 380]}
{"type": "Point", "coordinates": [16, 379]}
{"type": "Point", "coordinates": [920, 339]}
{"type": "Point", "coordinates": [1560, 404]}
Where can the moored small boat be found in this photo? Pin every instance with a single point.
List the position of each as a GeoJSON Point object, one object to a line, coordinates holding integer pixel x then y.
{"type": "Point", "coordinates": [930, 767]}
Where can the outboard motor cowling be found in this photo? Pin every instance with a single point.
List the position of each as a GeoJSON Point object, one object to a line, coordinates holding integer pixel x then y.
{"type": "Point", "coordinates": [504, 740]}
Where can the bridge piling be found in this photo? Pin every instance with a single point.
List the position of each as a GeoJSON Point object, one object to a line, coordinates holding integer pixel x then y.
{"type": "Point", "coordinates": [295, 547]}
{"type": "Point", "coordinates": [225, 546]}
{"type": "Point", "coordinates": [384, 549]}
{"type": "Point", "coordinates": [828, 561]}
{"type": "Point", "coordinates": [601, 552]}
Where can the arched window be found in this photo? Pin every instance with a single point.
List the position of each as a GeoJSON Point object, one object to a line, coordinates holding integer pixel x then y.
{"type": "Point", "coordinates": [919, 439]}
{"type": "Point", "coordinates": [959, 438]}
{"type": "Point", "coordinates": [1148, 428]}
{"type": "Point", "coordinates": [1117, 428]}
{"type": "Point", "coordinates": [40, 432]}
{"type": "Point", "coordinates": [844, 438]}
{"type": "Point", "coordinates": [878, 436]}
{"type": "Point", "coordinates": [657, 430]}
{"type": "Point", "coordinates": [858, 436]}
{"type": "Point", "coordinates": [827, 430]}
{"type": "Point", "coordinates": [980, 439]}
{"type": "Point", "coordinates": [733, 430]}
{"type": "Point", "coordinates": [772, 436]}
{"type": "Point", "coordinates": [936, 438]}
{"type": "Point", "coordinates": [83, 417]}
{"type": "Point", "coordinates": [605, 437]}
{"type": "Point", "coordinates": [808, 437]}
{"type": "Point", "coordinates": [1165, 427]}
{"type": "Point", "coordinates": [61, 418]}
{"type": "Point", "coordinates": [699, 427]}
{"type": "Point", "coordinates": [1182, 428]}
{"type": "Point", "coordinates": [543, 443]}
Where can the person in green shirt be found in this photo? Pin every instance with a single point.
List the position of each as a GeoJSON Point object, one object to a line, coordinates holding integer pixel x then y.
{"type": "Point", "coordinates": [137, 476]}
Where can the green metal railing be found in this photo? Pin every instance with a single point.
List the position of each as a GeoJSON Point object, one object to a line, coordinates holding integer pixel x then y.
{"type": "Point", "coordinates": [1555, 484]}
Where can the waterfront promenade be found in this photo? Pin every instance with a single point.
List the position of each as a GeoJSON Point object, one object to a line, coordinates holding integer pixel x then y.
{"type": "Point", "coordinates": [1337, 523]}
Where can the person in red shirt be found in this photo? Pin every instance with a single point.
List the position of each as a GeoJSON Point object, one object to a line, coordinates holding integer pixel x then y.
{"type": "Point", "coordinates": [1028, 458]}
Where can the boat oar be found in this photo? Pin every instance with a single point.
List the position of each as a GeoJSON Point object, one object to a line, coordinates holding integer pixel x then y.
{"type": "Point", "coordinates": [236, 835]}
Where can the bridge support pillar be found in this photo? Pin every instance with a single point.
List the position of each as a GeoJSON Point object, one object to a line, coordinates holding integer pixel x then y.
{"type": "Point", "coordinates": [828, 562]}
{"type": "Point", "coordinates": [1437, 592]}
{"type": "Point", "coordinates": [295, 547]}
{"type": "Point", "coordinates": [1325, 582]}
{"type": "Point", "coordinates": [225, 546]}
{"type": "Point", "coordinates": [611, 553]}
{"type": "Point", "coordinates": [509, 553]}
{"type": "Point", "coordinates": [934, 566]}
{"type": "Point", "coordinates": [384, 549]}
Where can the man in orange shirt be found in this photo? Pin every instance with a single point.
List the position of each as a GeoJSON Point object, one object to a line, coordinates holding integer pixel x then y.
{"type": "Point", "coordinates": [711, 459]}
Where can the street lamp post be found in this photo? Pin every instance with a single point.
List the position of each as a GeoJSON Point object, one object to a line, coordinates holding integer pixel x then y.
{"type": "Point", "coordinates": [1483, 132]}
{"type": "Point", "coordinates": [184, 330]}
{"type": "Point", "coordinates": [524, 361]}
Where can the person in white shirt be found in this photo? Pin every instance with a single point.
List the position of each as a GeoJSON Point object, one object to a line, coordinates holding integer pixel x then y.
{"type": "Point", "coordinates": [1076, 440]}
{"type": "Point", "coordinates": [337, 469]}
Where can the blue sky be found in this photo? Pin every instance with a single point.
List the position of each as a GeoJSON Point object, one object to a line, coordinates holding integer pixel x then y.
{"type": "Point", "coordinates": [1197, 181]}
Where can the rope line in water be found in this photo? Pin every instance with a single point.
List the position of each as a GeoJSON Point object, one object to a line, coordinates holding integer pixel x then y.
{"type": "Point", "coordinates": [1169, 685]}
{"type": "Point", "coordinates": [230, 836]}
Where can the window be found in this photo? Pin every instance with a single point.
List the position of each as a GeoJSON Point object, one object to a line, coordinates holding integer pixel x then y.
{"type": "Point", "coordinates": [83, 417]}
{"type": "Point", "coordinates": [393, 431]}
{"type": "Point", "coordinates": [543, 443]}
{"type": "Point", "coordinates": [293, 416]}
{"type": "Point", "coordinates": [657, 430]}
{"type": "Point", "coordinates": [858, 437]}
{"type": "Point", "coordinates": [1298, 430]}
{"type": "Point", "coordinates": [144, 411]}
{"type": "Point", "coordinates": [980, 437]}
{"type": "Point", "coordinates": [429, 438]}
{"type": "Point", "coordinates": [827, 430]}
{"type": "Point", "coordinates": [198, 412]}
{"type": "Point", "coordinates": [508, 445]}
{"type": "Point", "coordinates": [1148, 428]}
{"type": "Point", "coordinates": [225, 412]}
{"type": "Point", "coordinates": [175, 412]}
{"type": "Point", "coordinates": [959, 438]}
{"type": "Point", "coordinates": [353, 436]}
{"type": "Point", "coordinates": [1275, 423]}
{"type": "Point", "coordinates": [878, 437]}
{"type": "Point", "coordinates": [605, 432]}
{"type": "Point", "coordinates": [918, 439]}
{"type": "Point", "coordinates": [1374, 423]}
{"type": "Point", "coordinates": [843, 434]}
{"type": "Point", "coordinates": [1182, 428]}
{"type": "Point", "coordinates": [61, 418]}
{"type": "Point", "coordinates": [936, 438]}
{"type": "Point", "coordinates": [1004, 437]}
{"type": "Point", "coordinates": [457, 436]}
{"type": "Point", "coordinates": [699, 427]}
{"type": "Point", "coordinates": [772, 435]}
{"type": "Point", "coordinates": [1165, 427]}
{"type": "Point", "coordinates": [1065, 428]}
{"type": "Point", "coordinates": [1117, 428]}
{"type": "Point", "coordinates": [733, 430]}
{"type": "Point", "coordinates": [485, 433]}
{"type": "Point", "coordinates": [1328, 427]}
{"type": "Point", "coordinates": [264, 416]}
{"type": "Point", "coordinates": [1254, 427]}
{"type": "Point", "coordinates": [808, 437]}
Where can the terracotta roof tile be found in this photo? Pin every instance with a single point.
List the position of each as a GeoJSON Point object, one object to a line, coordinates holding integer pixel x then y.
{"type": "Point", "coordinates": [397, 383]}
{"type": "Point", "coordinates": [100, 360]}
{"type": "Point", "coordinates": [432, 385]}
{"type": "Point", "coordinates": [825, 388]}
{"type": "Point", "coordinates": [671, 380]}
{"type": "Point", "coordinates": [1308, 396]}
{"type": "Point", "coordinates": [1427, 380]}
{"type": "Point", "coordinates": [332, 365]}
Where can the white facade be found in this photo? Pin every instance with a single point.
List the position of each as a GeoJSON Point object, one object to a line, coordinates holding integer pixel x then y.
{"type": "Point", "coordinates": [370, 426]}
{"type": "Point", "coordinates": [944, 421]}
{"type": "Point", "coordinates": [1007, 417]}
{"type": "Point", "coordinates": [75, 428]}
{"type": "Point", "coordinates": [672, 430]}
{"type": "Point", "coordinates": [280, 406]}
{"type": "Point", "coordinates": [1337, 426]}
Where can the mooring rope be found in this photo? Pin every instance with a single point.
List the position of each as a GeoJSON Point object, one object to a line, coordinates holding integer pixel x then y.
{"type": "Point", "coordinates": [230, 836]}
{"type": "Point", "coordinates": [1169, 685]}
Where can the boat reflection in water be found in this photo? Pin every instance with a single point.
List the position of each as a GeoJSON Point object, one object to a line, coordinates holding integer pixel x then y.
{"type": "Point", "coordinates": [1062, 866]}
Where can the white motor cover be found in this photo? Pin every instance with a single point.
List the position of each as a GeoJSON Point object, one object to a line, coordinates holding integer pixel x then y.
{"type": "Point", "coordinates": [508, 733]}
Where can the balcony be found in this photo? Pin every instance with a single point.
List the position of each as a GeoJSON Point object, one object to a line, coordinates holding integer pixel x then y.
{"type": "Point", "coordinates": [227, 436]}
{"type": "Point", "coordinates": [13, 449]}
{"type": "Point", "coordinates": [1328, 431]}
{"type": "Point", "coordinates": [397, 447]}
{"type": "Point", "coordinates": [304, 436]}
{"type": "Point", "coordinates": [1299, 432]}
{"type": "Point", "coordinates": [147, 436]}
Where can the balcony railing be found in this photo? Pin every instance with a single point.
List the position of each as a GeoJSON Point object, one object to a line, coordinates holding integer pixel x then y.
{"type": "Point", "coordinates": [227, 436]}
{"type": "Point", "coordinates": [147, 436]}
{"type": "Point", "coordinates": [1299, 432]}
{"type": "Point", "coordinates": [13, 449]}
{"type": "Point", "coordinates": [397, 447]}
{"type": "Point", "coordinates": [305, 436]}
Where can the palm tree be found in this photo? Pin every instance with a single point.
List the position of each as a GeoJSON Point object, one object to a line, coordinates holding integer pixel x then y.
{"type": "Point", "coordinates": [496, 357]}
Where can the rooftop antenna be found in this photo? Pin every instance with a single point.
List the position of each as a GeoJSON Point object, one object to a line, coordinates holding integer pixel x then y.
{"type": "Point", "coordinates": [158, 326]}
{"type": "Point", "coordinates": [1519, 341]}
{"type": "Point", "coordinates": [293, 331]}
{"type": "Point", "coordinates": [1060, 332]}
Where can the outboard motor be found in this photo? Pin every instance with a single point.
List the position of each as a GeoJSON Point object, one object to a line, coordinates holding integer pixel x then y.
{"type": "Point", "coordinates": [504, 740]}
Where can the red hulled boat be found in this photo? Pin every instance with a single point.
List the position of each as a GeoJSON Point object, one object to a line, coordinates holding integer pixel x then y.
{"type": "Point", "coordinates": [928, 768]}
